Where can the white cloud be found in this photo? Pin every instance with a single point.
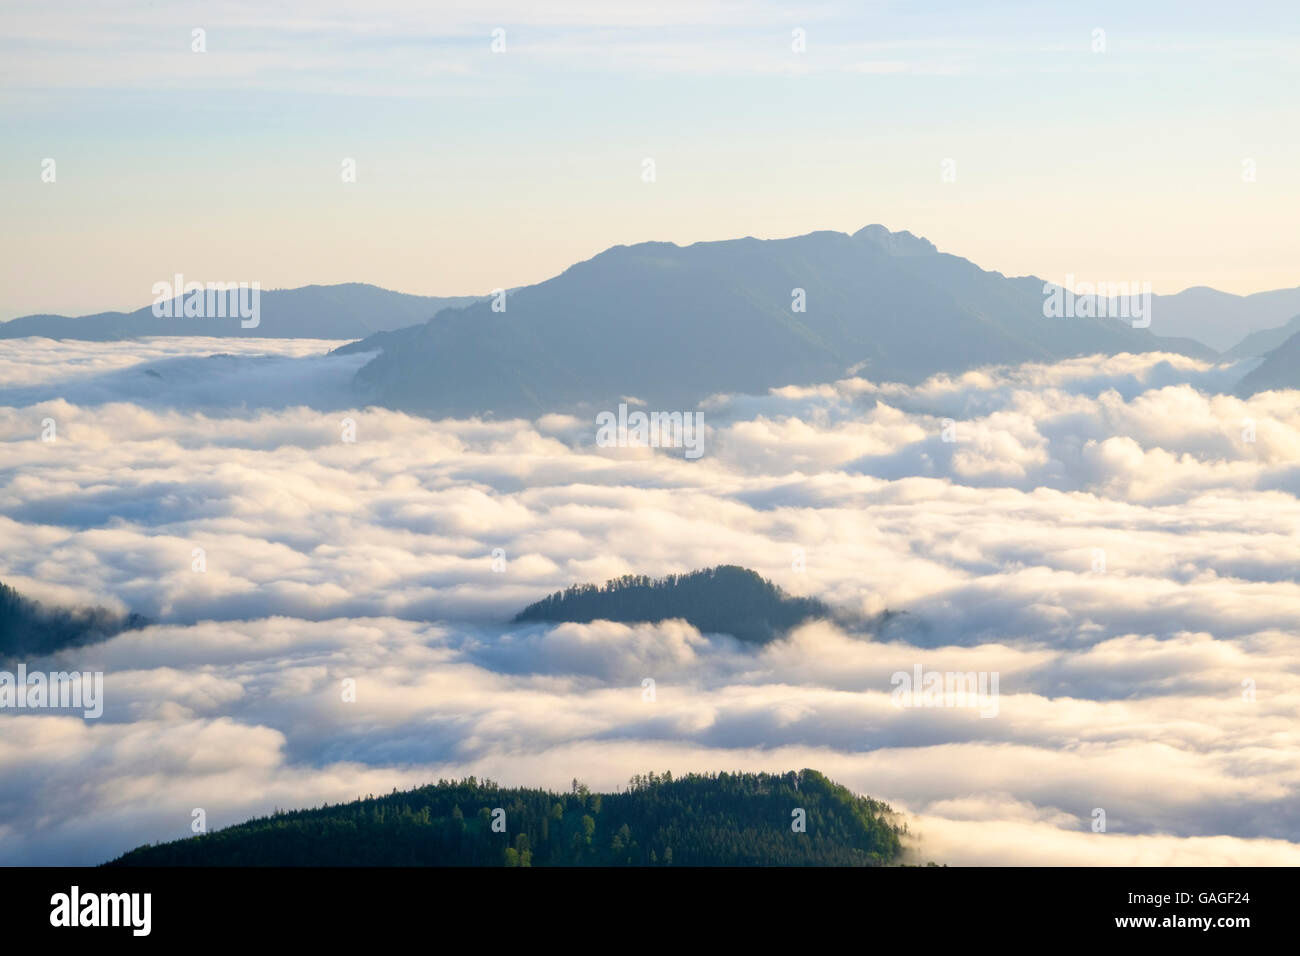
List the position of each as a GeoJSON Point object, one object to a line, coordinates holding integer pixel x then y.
{"type": "Point", "coordinates": [1121, 684]}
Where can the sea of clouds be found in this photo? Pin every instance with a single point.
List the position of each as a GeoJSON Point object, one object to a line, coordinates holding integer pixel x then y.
{"type": "Point", "coordinates": [1115, 538]}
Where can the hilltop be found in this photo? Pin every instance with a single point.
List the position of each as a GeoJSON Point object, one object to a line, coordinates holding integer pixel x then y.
{"type": "Point", "coordinates": [724, 819]}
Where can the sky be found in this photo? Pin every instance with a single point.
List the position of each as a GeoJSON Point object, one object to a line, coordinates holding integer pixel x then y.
{"type": "Point", "coordinates": [1170, 156]}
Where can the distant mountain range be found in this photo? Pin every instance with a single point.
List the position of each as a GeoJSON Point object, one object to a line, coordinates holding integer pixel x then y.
{"type": "Point", "coordinates": [724, 600]}
{"type": "Point", "coordinates": [726, 819]}
{"type": "Point", "coordinates": [670, 325]}
{"type": "Point", "coordinates": [1220, 319]}
{"type": "Point", "coordinates": [29, 627]}
{"type": "Point", "coordinates": [347, 311]}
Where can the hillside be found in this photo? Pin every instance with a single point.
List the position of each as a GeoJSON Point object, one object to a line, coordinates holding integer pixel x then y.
{"type": "Point", "coordinates": [720, 819]}
{"type": "Point", "coordinates": [672, 325]}
{"type": "Point", "coordinates": [726, 599]}
{"type": "Point", "coordinates": [29, 627]}
{"type": "Point", "coordinates": [1261, 343]}
{"type": "Point", "coordinates": [1279, 370]}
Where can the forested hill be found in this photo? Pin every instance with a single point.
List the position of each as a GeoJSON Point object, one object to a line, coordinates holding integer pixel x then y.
{"type": "Point", "coordinates": [28, 627]}
{"type": "Point", "coordinates": [726, 599]}
{"type": "Point", "coordinates": [726, 819]}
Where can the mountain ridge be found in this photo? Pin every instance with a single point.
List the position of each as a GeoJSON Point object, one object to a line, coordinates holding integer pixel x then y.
{"type": "Point", "coordinates": [1259, 344]}
{"type": "Point", "coordinates": [675, 324]}
{"type": "Point", "coordinates": [346, 310]}
{"type": "Point", "coordinates": [1221, 319]}
{"type": "Point", "coordinates": [1279, 370]}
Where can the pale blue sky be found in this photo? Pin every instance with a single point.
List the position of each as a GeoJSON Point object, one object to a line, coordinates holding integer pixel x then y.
{"type": "Point", "coordinates": [478, 169]}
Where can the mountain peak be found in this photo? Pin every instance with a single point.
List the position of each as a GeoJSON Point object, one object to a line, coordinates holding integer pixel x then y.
{"type": "Point", "coordinates": [897, 243]}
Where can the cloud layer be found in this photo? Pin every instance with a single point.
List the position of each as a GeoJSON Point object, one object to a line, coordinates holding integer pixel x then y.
{"type": "Point", "coordinates": [1113, 538]}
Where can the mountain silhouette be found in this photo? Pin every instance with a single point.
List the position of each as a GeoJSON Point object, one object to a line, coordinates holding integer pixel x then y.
{"type": "Point", "coordinates": [346, 311]}
{"type": "Point", "coordinates": [672, 325]}
{"type": "Point", "coordinates": [1280, 369]}
{"type": "Point", "coordinates": [1221, 319]}
{"type": "Point", "coordinates": [1260, 343]}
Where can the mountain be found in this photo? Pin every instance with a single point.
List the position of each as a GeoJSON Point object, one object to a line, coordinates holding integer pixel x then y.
{"type": "Point", "coordinates": [671, 325]}
{"type": "Point", "coordinates": [347, 311]}
{"type": "Point", "coordinates": [722, 600]}
{"type": "Point", "coordinates": [1261, 343]}
{"type": "Point", "coordinates": [29, 628]}
{"type": "Point", "coordinates": [1280, 370]}
{"type": "Point", "coordinates": [725, 819]}
{"type": "Point", "coordinates": [1221, 319]}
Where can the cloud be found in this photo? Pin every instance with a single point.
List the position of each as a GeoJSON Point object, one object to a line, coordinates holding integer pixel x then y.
{"type": "Point", "coordinates": [1101, 536]}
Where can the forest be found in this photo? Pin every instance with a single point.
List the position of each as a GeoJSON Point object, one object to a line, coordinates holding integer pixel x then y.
{"type": "Point", "coordinates": [724, 600]}
{"type": "Point", "coordinates": [29, 628]}
{"type": "Point", "coordinates": [799, 818]}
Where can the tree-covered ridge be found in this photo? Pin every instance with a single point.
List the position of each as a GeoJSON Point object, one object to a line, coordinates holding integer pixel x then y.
{"type": "Point", "coordinates": [726, 599]}
{"type": "Point", "coordinates": [29, 628]}
{"type": "Point", "coordinates": [724, 819]}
